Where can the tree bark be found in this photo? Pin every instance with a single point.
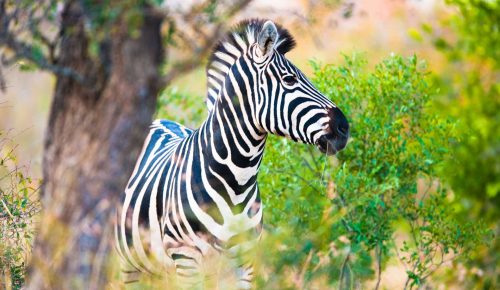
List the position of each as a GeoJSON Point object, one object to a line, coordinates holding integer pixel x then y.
{"type": "Point", "coordinates": [95, 132]}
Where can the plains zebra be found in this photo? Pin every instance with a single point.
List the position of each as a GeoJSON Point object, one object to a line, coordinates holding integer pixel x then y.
{"type": "Point", "coordinates": [194, 193]}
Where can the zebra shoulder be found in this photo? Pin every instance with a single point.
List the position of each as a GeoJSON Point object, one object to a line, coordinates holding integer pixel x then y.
{"type": "Point", "coordinates": [169, 129]}
{"type": "Point", "coordinates": [162, 136]}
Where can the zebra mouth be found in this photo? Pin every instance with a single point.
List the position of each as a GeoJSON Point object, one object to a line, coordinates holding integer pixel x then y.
{"type": "Point", "coordinates": [329, 145]}
{"type": "Point", "coordinates": [326, 145]}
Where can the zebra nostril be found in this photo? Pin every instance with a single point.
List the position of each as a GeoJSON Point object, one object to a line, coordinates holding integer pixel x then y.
{"type": "Point", "coordinates": [343, 131]}
{"type": "Point", "coordinates": [339, 124]}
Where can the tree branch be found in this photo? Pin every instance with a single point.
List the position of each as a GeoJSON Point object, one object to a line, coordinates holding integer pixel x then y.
{"type": "Point", "coordinates": [24, 51]}
{"type": "Point", "coordinates": [203, 46]}
{"type": "Point", "coordinates": [21, 50]}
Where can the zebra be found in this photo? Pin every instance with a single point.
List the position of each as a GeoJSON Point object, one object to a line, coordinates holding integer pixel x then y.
{"type": "Point", "coordinates": [194, 193]}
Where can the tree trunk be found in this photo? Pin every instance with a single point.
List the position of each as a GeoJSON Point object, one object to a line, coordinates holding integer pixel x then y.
{"type": "Point", "coordinates": [94, 135]}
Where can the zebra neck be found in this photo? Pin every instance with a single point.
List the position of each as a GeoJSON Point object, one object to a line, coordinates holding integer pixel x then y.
{"type": "Point", "coordinates": [233, 147]}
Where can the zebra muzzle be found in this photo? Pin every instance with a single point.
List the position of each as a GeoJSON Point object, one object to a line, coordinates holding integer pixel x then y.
{"type": "Point", "coordinates": [337, 135]}
{"type": "Point", "coordinates": [328, 145]}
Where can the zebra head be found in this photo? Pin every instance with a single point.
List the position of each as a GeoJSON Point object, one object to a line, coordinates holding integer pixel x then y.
{"type": "Point", "coordinates": [282, 100]}
{"type": "Point", "coordinates": [290, 105]}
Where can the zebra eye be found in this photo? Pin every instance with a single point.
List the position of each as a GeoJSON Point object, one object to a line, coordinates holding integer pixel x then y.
{"type": "Point", "coordinates": [290, 80]}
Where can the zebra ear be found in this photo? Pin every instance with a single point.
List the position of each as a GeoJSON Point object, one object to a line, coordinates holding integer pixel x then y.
{"type": "Point", "coordinates": [267, 38]}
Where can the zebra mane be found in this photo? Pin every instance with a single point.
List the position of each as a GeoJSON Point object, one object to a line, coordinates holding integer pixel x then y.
{"type": "Point", "coordinates": [231, 46]}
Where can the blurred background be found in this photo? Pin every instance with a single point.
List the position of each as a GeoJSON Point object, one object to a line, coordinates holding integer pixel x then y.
{"type": "Point", "coordinates": [455, 45]}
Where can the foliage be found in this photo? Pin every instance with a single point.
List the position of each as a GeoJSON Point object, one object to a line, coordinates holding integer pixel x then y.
{"type": "Point", "coordinates": [337, 222]}
{"type": "Point", "coordinates": [386, 179]}
{"type": "Point", "coordinates": [18, 207]}
{"type": "Point", "coordinates": [476, 31]}
{"type": "Point", "coordinates": [470, 92]}
{"type": "Point", "coordinates": [172, 101]}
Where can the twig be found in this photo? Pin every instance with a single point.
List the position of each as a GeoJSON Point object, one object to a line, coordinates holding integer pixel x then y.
{"type": "Point", "coordinates": [342, 269]}
{"type": "Point", "coordinates": [24, 51]}
{"type": "Point", "coordinates": [6, 208]}
{"type": "Point", "coordinates": [9, 38]}
{"type": "Point", "coordinates": [323, 183]}
{"type": "Point", "coordinates": [299, 177]}
{"type": "Point", "coordinates": [399, 256]}
{"type": "Point", "coordinates": [301, 280]}
{"type": "Point", "coordinates": [200, 51]}
{"type": "Point", "coordinates": [378, 252]}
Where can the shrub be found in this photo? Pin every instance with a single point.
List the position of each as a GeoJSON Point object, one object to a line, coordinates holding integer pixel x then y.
{"type": "Point", "coordinates": [18, 208]}
{"type": "Point", "coordinates": [382, 198]}
{"type": "Point", "coordinates": [469, 86]}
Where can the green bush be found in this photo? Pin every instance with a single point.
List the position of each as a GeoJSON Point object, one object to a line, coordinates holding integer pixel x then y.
{"type": "Point", "coordinates": [387, 181]}
{"type": "Point", "coordinates": [470, 90]}
{"type": "Point", "coordinates": [18, 208]}
{"type": "Point", "coordinates": [469, 85]}
{"type": "Point", "coordinates": [337, 222]}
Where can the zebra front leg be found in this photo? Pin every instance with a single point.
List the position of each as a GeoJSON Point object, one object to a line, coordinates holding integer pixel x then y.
{"type": "Point", "coordinates": [245, 277]}
{"type": "Point", "coordinates": [189, 274]}
{"type": "Point", "coordinates": [242, 258]}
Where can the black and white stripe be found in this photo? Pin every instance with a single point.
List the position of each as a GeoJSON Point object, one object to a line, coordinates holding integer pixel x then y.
{"type": "Point", "coordinates": [194, 193]}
